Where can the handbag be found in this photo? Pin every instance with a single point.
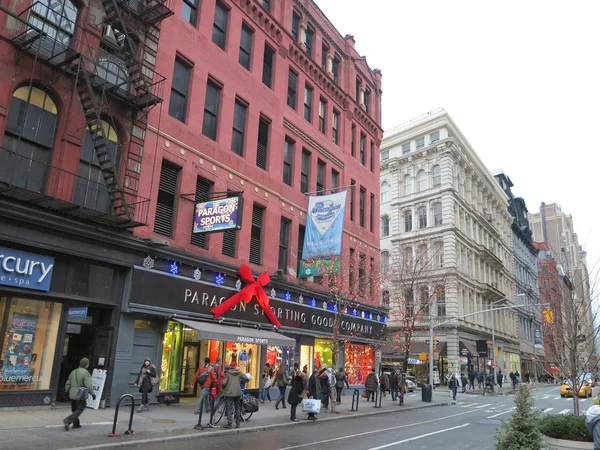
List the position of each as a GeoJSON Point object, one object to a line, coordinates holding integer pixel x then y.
{"type": "Point", "coordinates": [249, 404]}
{"type": "Point", "coordinates": [365, 394]}
{"type": "Point", "coordinates": [311, 406]}
{"type": "Point", "coordinates": [155, 380]}
{"type": "Point", "coordinates": [82, 391]}
{"type": "Point", "coordinates": [268, 382]}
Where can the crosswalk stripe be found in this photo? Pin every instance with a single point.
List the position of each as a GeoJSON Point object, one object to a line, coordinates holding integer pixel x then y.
{"type": "Point", "coordinates": [546, 397]}
{"type": "Point", "coordinates": [547, 409]}
{"type": "Point", "coordinates": [499, 414]}
{"type": "Point", "coordinates": [565, 411]}
{"type": "Point", "coordinates": [582, 399]}
{"type": "Point", "coordinates": [482, 406]}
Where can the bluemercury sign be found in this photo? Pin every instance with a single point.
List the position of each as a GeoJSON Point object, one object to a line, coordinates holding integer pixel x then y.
{"type": "Point", "coordinates": [26, 270]}
{"type": "Point", "coordinates": [77, 313]}
{"type": "Point", "coordinates": [178, 294]}
{"type": "Point", "coordinates": [324, 226]}
{"type": "Point", "coordinates": [219, 215]}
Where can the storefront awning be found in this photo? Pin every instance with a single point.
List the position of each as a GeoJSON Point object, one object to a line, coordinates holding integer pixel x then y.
{"type": "Point", "coordinates": [217, 332]}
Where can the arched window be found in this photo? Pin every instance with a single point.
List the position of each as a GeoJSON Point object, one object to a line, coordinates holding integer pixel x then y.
{"type": "Point", "coordinates": [385, 192]}
{"type": "Point", "coordinates": [438, 254]}
{"type": "Point", "coordinates": [437, 176]}
{"type": "Point", "coordinates": [437, 214]}
{"type": "Point", "coordinates": [29, 139]}
{"type": "Point", "coordinates": [422, 255]}
{"type": "Point", "coordinates": [421, 181]}
{"type": "Point", "coordinates": [385, 226]}
{"type": "Point", "coordinates": [424, 300]}
{"type": "Point", "coordinates": [90, 188]}
{"type": "Point", "coordinates": [408, 181]}
{"type": "Point", "coordinates": [408, 221]}
{"type": "Point", "coordinates": [422, 217]}
{"type": "Point", "coordinates": [385, 261]}
{"type": "Point", "coordinates": [57, 19]}
{"type": "Point", "coordinates": [440, 293]}
{"type": "Point", "coordinates": [407, 256]}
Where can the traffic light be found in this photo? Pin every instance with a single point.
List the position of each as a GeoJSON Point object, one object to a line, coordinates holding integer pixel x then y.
{"type": "Point", "coordinates": [496, 351]}
{"type": "Point", "coordinates": [548, 315]}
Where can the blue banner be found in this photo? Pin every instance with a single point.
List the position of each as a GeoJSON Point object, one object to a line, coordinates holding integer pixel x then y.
{"type": "Point", "coordinates": [324, 226]}
{"type": "Point", "coordinates": [26, 270]}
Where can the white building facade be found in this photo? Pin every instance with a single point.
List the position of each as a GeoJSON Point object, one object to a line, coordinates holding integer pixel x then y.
{"type": "Point", "coordinates": [441, 207]}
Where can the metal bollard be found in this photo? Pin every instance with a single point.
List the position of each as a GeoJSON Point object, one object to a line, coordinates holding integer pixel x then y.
{"type": "Point", "coordinates": [355, 400]}
{"type": "Point", "coordinates": [211, 400]}
{"type": "Point", "coordinates": [378, 395]}
{"type": "Point", "coordinates": [129, 430]}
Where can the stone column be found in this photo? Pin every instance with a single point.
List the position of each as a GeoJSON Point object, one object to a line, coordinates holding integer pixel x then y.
{"type": "Point", "coordinates": [361, 97]}
{"type": "Point", "coordinates": [329, 65]}
{"type": "Point", "coordinates": [302, 35]}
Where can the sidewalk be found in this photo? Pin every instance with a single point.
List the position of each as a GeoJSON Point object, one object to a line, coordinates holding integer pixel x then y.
{"type": "Point", "coordinates": [40, 427]}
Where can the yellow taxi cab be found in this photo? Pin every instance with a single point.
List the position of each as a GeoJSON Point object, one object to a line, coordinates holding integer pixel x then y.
{"type": "Point", "coordinates": [566, 389]}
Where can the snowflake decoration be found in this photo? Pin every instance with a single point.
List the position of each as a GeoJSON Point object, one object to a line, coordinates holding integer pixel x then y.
{"type": "Point", "coordinates": [238, 284]}
{"type": "Point", "coordinates": [370, 316]}
{"type": "Point", "coordinates": [345, 310]}
{"type": "Point", "coordinates": [354, 312]}
{"type": "Point", "coordinates": [220, 279]}
{"type": "Point", "coordinates": [313, 303]}
{"type": "Point", "coordinates": [308, 271]}
{"type": "Point", "coordinates": [335, 308]}
{"type": "Point", "coordinates": [273, 293]}
{"type": "Point", "coordinates": [324, 305]}
{"type": "Point", "coordinates": [148, 262]}
{"type": "Point", "coordinates": [301, 300]}
{"type": "Point", "coordinates": [173, 268]}
{"type": "Point", "coordinates": [383, 319]}
{"type": "Point", "coordinates": [288, 296]}
{"type": "Point", "coordinates": [378, 317]}
{"type": "Point", "coordinates": [363, 314]}
{"type": "Point", "coordinates": [208, 227]}
{"type": "Point", "coordinates": [197, 274]}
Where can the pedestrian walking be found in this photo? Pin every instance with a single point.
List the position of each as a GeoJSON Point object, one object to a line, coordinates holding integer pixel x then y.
{"type": "Point", "coordinates": [295, 395]}
{"type": "Point", "coordinates": [463, 382]}
{"type": "Point", "coordinates": [402, 388]}
{"type": "Point", "coordinates": [232, 392]}
{"type": "Point", "coordinates": [305, 378]}
{"type": "Point", "coordinates": [79, 385]}
{"type": "Point", "coordinates": [371, 385]}
{"type": "Point", "coordinates": [220, 375]}
{"type": "Point", "coordinates": [394, 381]}
{"type": "Point", "coordinates": [340, 380]}
{"type": "Point", "coordinates": [472, 378]}
{"type": "Point", "coordinates": [144, 381]}
{"type": "Point", "coordinates": [295, 372]}
{"type": "Point", "coordinates": [384, 384]}
{"type": "Point", "coordinates": [511, 375]}
{"type": "Point", "coordinates": [480, 378]}
{"type": "Point", "coordinates": [500, 377]}
{"type": "Point", "coordinates": [266, 382]}
{"type": "Point", "coordinates": [325, 388]}
{"type": "Point", "coordinates": [453, 386]}
{"type": "Point", "coordinates": [517, 378]}
{"type": "Point", "coordinates": [206, 379]}
{"type": "Point", "coordinates": [314, 390]}
{"type": "Point", "coordinates": [281, 381]}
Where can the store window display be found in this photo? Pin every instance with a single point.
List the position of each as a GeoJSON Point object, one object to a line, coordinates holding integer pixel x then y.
{"type": "Point", "coordinates": [307, 357]}
{"type": "Point", "coordinates": [172, 353]}
{"type": "Point", "coordinates": [28, 343]}
{"type": "Point", "coordinates": [247, 358]}
{"type": "Point", "coordinates": [360, 359]}
{"type": "Point", "coordinates": [277, 356]}
{"type": "Point", "coordinates": [323, 353]}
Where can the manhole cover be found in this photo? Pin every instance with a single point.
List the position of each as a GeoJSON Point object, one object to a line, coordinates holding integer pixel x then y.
{"type": "Point", "coordinates": [163, 421]}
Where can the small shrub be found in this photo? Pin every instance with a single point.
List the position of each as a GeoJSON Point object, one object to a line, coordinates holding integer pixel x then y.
{"type": "Point", "coordinates": [569, 428]}
{"type": "Point", "coordinates": [521, 431]}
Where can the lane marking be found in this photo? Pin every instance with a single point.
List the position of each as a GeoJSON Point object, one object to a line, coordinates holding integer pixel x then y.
{"type": "Point", "coordinates": [374, 431]}
{"type": "Point", "coordinates": [547, 409]}
{"type": "Point", "coordinates": [483, 406]}
{"type": "Point", "coordinates": [499, 414]}
{"type": "Point", "coordinates": [565, 411]}
{"type": "Point", "coordinates": [403, 441]}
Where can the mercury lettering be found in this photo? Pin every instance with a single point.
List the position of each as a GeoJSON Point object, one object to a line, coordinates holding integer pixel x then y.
{"type": "Point", "coordinates": [11, 264]}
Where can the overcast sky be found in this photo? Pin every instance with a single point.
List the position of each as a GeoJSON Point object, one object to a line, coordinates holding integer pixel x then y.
{"type": "Point", "coordinates": [520, 79]}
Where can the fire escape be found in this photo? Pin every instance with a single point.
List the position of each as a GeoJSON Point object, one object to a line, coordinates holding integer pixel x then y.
{"type": "Point", "coordinates": [105, 66]}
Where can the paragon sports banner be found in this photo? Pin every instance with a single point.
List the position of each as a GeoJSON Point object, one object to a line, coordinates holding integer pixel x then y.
{"type": "Point", "coordinates": [219, 215]}
{"type": "Point", "coordinates": [324, 226]}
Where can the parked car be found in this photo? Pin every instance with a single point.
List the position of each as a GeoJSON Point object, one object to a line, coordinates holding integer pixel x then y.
{"type": "Point", "coordinates": [410, 385]}
{"type": "Point", "coordinates": [566, 389]}
{"type": "Point", "coordinates": [589, 378]}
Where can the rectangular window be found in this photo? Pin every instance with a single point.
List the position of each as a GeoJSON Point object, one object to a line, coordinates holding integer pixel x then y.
{"type": "Point", "coordinates": [358, 85]}
{"type": "Point", "coordinates": [256, 233]}
{"type": "Point", "coordinates": [203, 188]}
{"type": "Point", "coordinates": [420, 142]}
{"type": "Point", "coordinates": [308, 98]}
{"type": "Point", "coordinates": [372, 155]}
{"type": "Point", "coordinates": [301, 232]}
{"type": "Point", "coordinates": [268, 58]}
{"type": "Point", "coordinates": [363, 143]}
{"type": "Point", "coordinates": [284, 237]}
{"type": "Point", "coordinates": [321, 168]}
{"type": "Point", "coordinates": [189, 11]}
{"type": "Point", "coordinates": [406, 148]}
{"type": "Point", "coordinates": [179, 90]}
{"type": "Point", "coordinates": [367, 101]}
{"type": "Point", "coordinates": [239, 128]}
{"type": "Point", "coordinates": [362, 274]}
{"type": "Point", "coordinates": [324, 52]}
{"type": "Point", "coordinates": [335, 127]}
{"type": "Point", "coordinates": [229, 238]}
{"type": "Point", "coordinates": [335, 180]}
{"type": "Point", "coordinates": [267, 5]}
{"type": "Point", "coordinates": [219, 35]}
{"type": "Point", "coordinates": [288, 161]}
{"type": "Point", "coordinates": [211, 110]}
{"type": "Point", "coordinates": [361, 206]}
{"type": "Point", "coordinates": [246, 46]}
{"type": "Point", "coordinates": [322, 114]}
{"type": "Point", "coordinates": [263, 143]}
{"type": "Point", "coordinates": [292, 89]}
{"type": "Point", "coordinates": [384, 155]}
{"type": "Point", "coordinates": [305, 171]}
{"type": "Point", "coordinates": [353, 141]}
{"type": "Point", "coordinates": [371, 216]}
{"type": "Point", "coordinates": [373, 276]}
{"type": "Point", "coordinates": [295, 26]}
{"type": "Point", "coordinates": [165, 202]}
{"type": "Point", "coordinates": [335, 68]}
{"type": "Point", "coordinates": [309, 37]}
{"type": "Point", "coordinates": [351, 280]}
{"type": "Point", "coordinates": [352, 197]}
{"type": "Point", "coordinates": [435, 136]}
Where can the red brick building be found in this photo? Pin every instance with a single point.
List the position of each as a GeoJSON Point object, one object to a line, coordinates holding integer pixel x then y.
{"type": "Point", "coordinates": [117, 116]}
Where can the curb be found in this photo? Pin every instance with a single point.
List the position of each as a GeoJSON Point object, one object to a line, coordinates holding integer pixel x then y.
{"type": "Point", "coordinates": [245, 430]}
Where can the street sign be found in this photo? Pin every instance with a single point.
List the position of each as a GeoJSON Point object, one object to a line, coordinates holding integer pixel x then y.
{"type": "Point", "coordinates": [435, 342]}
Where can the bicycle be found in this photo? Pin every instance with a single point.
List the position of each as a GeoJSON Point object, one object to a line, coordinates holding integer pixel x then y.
{"type": "Point", "coordinates": [490, 387]}
{"type": "Point", "coordinates": [221, 409]}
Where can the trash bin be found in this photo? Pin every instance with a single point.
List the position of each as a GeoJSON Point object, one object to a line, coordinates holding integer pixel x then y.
{"type": "Point", "coordinates": [426, 393]}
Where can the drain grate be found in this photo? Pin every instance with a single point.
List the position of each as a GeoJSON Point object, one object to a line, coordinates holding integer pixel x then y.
{"type": "Point", "coordinates": [163, 421]}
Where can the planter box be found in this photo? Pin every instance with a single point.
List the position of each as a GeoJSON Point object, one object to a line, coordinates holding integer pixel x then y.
{"type": "Point", "coordinates": [560, 444]}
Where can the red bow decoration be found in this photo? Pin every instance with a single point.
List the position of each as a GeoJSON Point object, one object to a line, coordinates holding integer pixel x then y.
{"type": "Point", "coordinates": [252, 289]}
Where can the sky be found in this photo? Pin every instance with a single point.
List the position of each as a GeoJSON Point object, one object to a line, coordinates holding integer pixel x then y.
{"type": "Point", "coordinates": [521, 79]}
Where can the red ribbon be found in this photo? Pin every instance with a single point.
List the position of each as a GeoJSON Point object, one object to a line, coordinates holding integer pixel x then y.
{"type": "Point", "coordinates": [254, 288]}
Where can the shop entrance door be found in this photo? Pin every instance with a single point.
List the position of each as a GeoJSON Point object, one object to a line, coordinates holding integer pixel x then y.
{"type": "Point", "coordinates": [190, 365]}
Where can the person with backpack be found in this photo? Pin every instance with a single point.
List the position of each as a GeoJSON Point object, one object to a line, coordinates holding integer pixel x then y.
{"type": "Point", "coordinates": [146, 380]}
{"type": "Point", "coordinates": [79, 385]}
{"type": "Point", "coordinates": [232, 392]}
{"type": "Point", "coordinates": [453, 386]}
{"type": "Point", "coordinates": [340, 380]}
{"type": "Point", "coordinates": [206, 379]}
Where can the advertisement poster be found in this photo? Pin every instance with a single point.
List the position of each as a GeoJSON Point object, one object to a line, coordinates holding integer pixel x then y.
{"type": "Point", "coordinates": [324, 226]}
{"type": "Point", "coordinates": [538, 338]}
{"type": "Point", "coordinates": [98, 380]}
{"type": "Point", "coordinates": [218, 215]}
{"type": "Point", "coordinates": [19, 357]}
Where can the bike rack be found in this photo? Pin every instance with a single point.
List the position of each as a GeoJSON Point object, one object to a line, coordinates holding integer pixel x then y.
{"type": "Point", "coordinates": [211, 400]}
{"type": "Point", "coordinates": [378, 396]}
{"type": "Point", "coordinates": [129, 430]}
{"type": "Point", "coordinates": [356, 399]}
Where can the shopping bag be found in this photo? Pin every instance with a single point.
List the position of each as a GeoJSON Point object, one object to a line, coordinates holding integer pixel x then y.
{"type": "Point", "coordinates": [450, 393]}
{"type": "Point", "coordinates": [311, 405]}
{"type": "Point", "coordinates": [365, 394]}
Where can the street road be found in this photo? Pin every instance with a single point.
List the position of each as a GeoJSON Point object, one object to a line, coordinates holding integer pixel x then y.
{"type": "Point", "coordinates": [471, 423]}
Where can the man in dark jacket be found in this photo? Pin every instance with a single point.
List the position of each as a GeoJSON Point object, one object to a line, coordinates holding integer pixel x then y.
{"type": "Point", "coordinates": [295, 396]}
{"type": "Point", "coordinates": [79, 378]}
{"type": "Point", "coordinates": [463, 381]}
{"type": "Point", "coordinates": [371, 385]}
{"type": "Point", "coordinates": [314, 390]}
{"type": "Point", "coordinates": [394, 381]}
{"type": "Point", "coordinates": [500, 377]}
{"type": "Point", "coordinates": [324, 380]}
{"type": "Point", "coordinates": [471, 378]}
{"type": "Point", "coordinates": [453, 386]}
{"type": "Point", "coordinates": [340, 380]}
{"type": "Point", "coordinates": [232, 392]}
